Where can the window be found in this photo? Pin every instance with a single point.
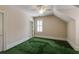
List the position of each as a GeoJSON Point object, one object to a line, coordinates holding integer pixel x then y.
{"type": "Point", "coordinates": [39, 25]}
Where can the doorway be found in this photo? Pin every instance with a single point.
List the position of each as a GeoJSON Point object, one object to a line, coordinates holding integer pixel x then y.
{"type": "Point", "coordinates": [1, 32]}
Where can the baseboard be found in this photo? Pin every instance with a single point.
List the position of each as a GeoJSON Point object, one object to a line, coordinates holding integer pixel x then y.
{"type": "Point", "coordinates": [51, 37]}
{"type": "Point", "coordinates": [17, 42]}
{"type": "Point", "coordinates": [73, 46]}
{"type": "Point", "coordinates": [77, 48]}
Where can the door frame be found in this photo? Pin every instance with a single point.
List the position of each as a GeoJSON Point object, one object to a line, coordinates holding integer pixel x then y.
{"type": "Point", "coordinates": [3, 31]}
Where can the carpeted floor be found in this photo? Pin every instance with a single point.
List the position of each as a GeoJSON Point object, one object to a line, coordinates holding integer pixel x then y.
{"type": "Point", "coordinates": [41, 46]}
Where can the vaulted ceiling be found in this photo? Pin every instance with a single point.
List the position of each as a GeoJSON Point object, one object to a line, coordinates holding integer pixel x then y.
{"type": "Point", "coordinates": [62, 11]}
{"type": "Point", "coordinates": [32, 10]}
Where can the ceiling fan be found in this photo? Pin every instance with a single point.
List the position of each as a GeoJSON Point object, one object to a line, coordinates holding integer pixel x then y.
{"type": "Point", "coordinates": [41, 8]}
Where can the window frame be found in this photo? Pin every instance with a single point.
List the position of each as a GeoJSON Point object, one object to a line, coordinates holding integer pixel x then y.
{"type": "Point", "coordinates": [39, 25]}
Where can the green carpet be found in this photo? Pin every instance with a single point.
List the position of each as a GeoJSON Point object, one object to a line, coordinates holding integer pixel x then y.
{"type": "Point", "coordinates": [41, 46]}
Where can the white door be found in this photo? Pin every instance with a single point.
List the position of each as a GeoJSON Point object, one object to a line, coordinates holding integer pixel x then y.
{"type": "Point", "coordinates": [1, 33]}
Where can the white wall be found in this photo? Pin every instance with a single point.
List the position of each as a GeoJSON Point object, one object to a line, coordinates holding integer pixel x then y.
{"type": "Point", "coordinates": [17, 25]}
{"type": "Point", "coordinates": [71, 31]}
{"type": "Point", "coordinates": [77, 35]}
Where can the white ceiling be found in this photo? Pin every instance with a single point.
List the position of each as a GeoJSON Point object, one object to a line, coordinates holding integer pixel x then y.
{"type": "Point", "coordinates": [31, 10]}
{"type": "Point", "coordinates": [56, 10]}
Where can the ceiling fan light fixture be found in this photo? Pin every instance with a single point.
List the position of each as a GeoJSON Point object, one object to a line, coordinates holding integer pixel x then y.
{"type": "Point", "coordinates": [41, 8]}
{"type": "Point", "coordinates": [41, 11]}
